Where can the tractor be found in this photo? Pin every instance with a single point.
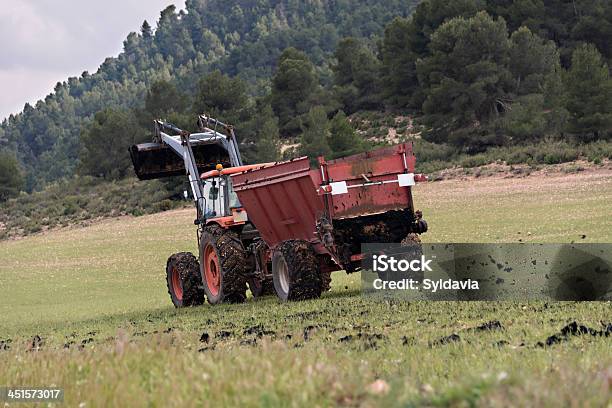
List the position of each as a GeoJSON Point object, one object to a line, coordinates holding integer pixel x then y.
{"type": "Point", "coordinates": [277, 227]}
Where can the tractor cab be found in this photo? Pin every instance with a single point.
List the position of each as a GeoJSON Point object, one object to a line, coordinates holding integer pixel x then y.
{"type": "Point", "coordinates": [222, 205]}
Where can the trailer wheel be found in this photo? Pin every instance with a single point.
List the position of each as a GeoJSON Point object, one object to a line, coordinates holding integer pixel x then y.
{"type": "Point", "coordinates": [183, 280]}
{"type": "Point", "coordinates": [295, 271]}
{"type": "Point", "coordinates": [413, 250]}
{"type": "Point", "coordinates": [223, 259]}
{"type": "Point", "coordinates": [412, 239]}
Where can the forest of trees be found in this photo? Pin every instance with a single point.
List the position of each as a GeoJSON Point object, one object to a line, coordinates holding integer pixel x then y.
{"type": "Point", "coordinates": [475, 73]}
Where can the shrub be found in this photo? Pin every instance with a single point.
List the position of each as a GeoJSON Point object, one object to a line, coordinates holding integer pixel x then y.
{"type": "Point", "coordinates": [475, 161]}
{"type": "Point", "coordinates": [426, 151]}
{"type": "Point", "coordinates": [81, 198]}
{"type": "Point", "coordinates": [163, 205]}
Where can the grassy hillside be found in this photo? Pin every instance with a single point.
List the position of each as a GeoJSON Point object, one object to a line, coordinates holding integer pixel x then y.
{"type": "Point", "coordinates": [96, 297]}
{"type": "Point", "coordinates": [80, 200]}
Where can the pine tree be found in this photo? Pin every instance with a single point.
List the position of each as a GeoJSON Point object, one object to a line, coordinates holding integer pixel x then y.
{"type": "Point", "coordinates": [526, 121]}
{"type": "Point", "coordinates": [315, 134]}
{"type": "Point", "coordinates": [555, 102]}
{"type": "Point", "coordinates": [293, 85]}
{"type": "Point", "coordinates": [589, 94]}
{"type": "Point", "coordinates": [11, 176]}
{"type": "Point", "coordinates": [146, 31]}
{"type": "Point", "coordinates": [222, 97]}
{"type": "Point", "coordinates": [466, 80]}
{"type": "Point", "coordinates": [267, 145]}
{"type": "Point", "coordinates": [398, 71]}
{"type": "Point", "coordinates": [162, 99]}
{"type": "Point", "coordinates": [407, 40]}
{"type": "Point", "coordinates": [531, 59]}
{"type": "Point", "coordinates": [356, 76]}
{"type": "Point", "coordinates": [343, 139]}
{"type": "Point", "coordinates": [105, 142]}
{"type": "Point", "coordinates": [166, 32]}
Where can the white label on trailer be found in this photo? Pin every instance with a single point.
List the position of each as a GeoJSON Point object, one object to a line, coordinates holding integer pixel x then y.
{"type": "Point", "coordinates": [406, 180]}
{"type": "Point", "coordinates": [339, 187]}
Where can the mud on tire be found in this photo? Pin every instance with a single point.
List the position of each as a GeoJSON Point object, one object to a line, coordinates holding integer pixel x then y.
{"type": "Point", "coordinates": [412, 248]}
{"type": "Point", "coordinates": [326, 281]}
{"type": "Point", "coordinates": [184, 280]}
{"type": "Point", "coordinates": [295, 271]}
{"type": "Point", "coordinates": [412, 239]}
{"type": "Point", "coordinates": [223, 261]}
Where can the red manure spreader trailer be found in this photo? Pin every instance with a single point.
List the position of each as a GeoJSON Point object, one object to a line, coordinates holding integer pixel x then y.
{"type": "Point", "coordinates": [314, 221]}
{"type": "Point", "coordinates": [278, 227]}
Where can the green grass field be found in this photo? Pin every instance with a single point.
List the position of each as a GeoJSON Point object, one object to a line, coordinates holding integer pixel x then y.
{"type": "Point", "coordinates": [110, 336]}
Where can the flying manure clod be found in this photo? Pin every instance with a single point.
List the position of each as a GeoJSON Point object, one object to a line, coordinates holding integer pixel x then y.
{"type": "Point", "coordinates": [277, 227]}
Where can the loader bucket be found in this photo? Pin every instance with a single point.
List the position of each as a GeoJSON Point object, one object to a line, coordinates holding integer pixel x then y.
{"type": "Point", "coordinates": [155, 160]}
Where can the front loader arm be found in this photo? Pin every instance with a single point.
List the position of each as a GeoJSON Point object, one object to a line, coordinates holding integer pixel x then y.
{"type": "Point", "coordinates": [204, 123]}
{"type": "Point", "coordinates": [182, 144]}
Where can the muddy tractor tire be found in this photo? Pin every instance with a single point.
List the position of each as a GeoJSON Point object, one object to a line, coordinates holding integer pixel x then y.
{"type": "Point", "coordinates": [223, 260]}
{"type": "Point", "coordinates": [295, 271]}
{"type": "Point", "coordinates": [184, 280]}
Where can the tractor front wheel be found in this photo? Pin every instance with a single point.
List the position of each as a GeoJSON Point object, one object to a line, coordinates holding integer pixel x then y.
{"type": "Point", "coordinates": [223, 260]}
{"type": "Point", "coordinates": [295, 271]}
{"type": "Point", "coordinates": [183, 280]}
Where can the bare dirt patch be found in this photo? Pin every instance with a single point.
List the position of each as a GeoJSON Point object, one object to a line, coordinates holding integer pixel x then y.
{"type": "Point", "coordinates": [500, 179]}
{"type": "Point", "coordinates": [502, 170]}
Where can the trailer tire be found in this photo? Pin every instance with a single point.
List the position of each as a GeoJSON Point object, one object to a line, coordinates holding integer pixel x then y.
{"type": "Point", "coordinates": [413, 250]}
{"type": "Point", "coordinates": [411, 239]}
{"type": "Point", "coordinates": [295, 271]}
{"type": "Point", "coordinates": [184, 280]}
{"type": "Point", "coordinates": [223, 261]}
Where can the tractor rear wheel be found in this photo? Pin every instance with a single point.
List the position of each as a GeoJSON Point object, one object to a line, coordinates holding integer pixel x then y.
{"type": "Point", "coordinates": [223, 260]}
{"type": "Point", "coordinates": [295, 271]}
{"type": "Point", "coordinates": [184, 280]}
